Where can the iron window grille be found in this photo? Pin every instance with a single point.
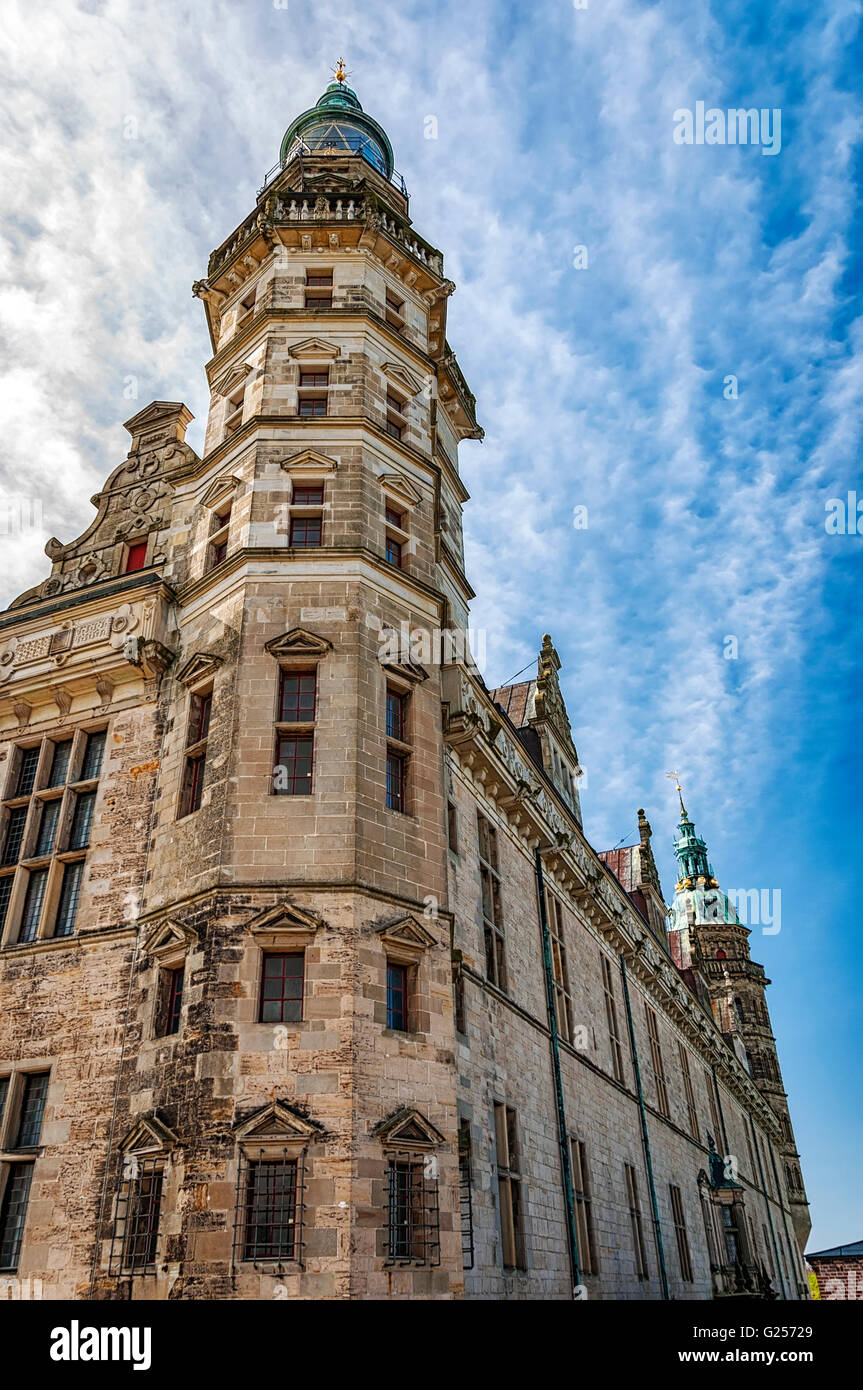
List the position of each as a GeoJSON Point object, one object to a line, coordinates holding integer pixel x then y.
{"type": "Point", "coordinates": [465, 1187]}
{"type": "Point", "coordinates": [135, 1237]}
{"type": "Point", "coordinates": [270, 1209]}
{"type": "Point", "coordinates": [413, 1210]}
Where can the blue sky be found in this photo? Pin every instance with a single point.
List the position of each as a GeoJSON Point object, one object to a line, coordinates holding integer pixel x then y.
{"type": "Point", "coordinates": [134, 139]}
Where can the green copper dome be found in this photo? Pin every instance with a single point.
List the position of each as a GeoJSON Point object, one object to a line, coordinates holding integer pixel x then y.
{"type": "Point", "coordinates": [338, 124]}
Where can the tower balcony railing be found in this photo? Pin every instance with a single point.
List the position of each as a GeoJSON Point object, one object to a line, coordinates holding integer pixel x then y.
{"type": "Point", "coordinates": [350, 144]}
{"type": "Point", "coordinates": [287, 206]}
{"type": "Point", "coordinates": [733, 967]}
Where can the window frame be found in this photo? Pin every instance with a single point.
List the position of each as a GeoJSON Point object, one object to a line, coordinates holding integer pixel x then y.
{"type": "Point", "coordinates": [282, 999]}
{"type": "Point", "coordinates": [491, 893]}
{"type": "Point", "coordinates": [199, 714]}
{"type": "Point", "coordinates": [510, 1188]}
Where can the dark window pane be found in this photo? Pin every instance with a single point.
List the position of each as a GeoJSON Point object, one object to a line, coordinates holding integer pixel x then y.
{"type": "Point", "coordinates": [93, 755]}
{"type": "Point", "coordinates": [313, 405]}
{"type": "Point", "coordinates": [4, 1092]}
{"type": "Point", "coordinates": [82, 820]}
{"type": "Point", "coordinates": [314, 378]}
{"type": "Point", "coordinates": [282, 988]}
{"type": "Point", "coordinates": [304, 496]}
{"type": "Point", "coordinates": [70, 892]}
{"type": "Point", "coordinates": [33, 904]}
{"type": "Point", "coordinates": [396, 767]}
{"type": "Point", "coordinates": [292, 775]}
{"type": "Point", "coordinates": [48, 826]}
{"type": "Point", "coordinates": [14, 835]}
{"type": "Point", "coordinates": [394, 552]}
{"type": "Point", "coordinates": [397, 997]}
{"type": "Point", "coordinates": [32, 1110]}
{"type": "Point", "coordinates": [218, 551]}
{"type": "Point", "coordinates": [174, 1002]}
{"type": "Point", "coordinates": [395, 715]}
{"type": "Point", "coordinates": [394, 429]}
{"type": "Point", "coordinates": [14, 1213]}
{"type": "Point", "coordinates": [5, 895]}
{"type": "Point", "coordinates": [271, 1210]}
{"type": "Point", "coordinates": [305, 531]}
{"type": "Point", "coordinates": [320, 277]}
{"type": "Point", "coordinates": [29, 759]}
{"type": "Point", "coordinates": [297, 697]}
{"type": "Point", "coordinates": [394, 518]}
{"type": "Point", "coordinates": [193, 785]}
{"type": "Point", "coordinates": [199, 718]}
{"type": "Point", "coordinates": [60, 763]}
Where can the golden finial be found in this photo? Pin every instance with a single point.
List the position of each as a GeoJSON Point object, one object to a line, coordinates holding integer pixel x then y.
{"type": "Point", "coordinates": [340, 72]}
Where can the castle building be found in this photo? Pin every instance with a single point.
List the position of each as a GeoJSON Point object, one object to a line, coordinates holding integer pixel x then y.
{"type": "Point", "coordinates": [312, 986]}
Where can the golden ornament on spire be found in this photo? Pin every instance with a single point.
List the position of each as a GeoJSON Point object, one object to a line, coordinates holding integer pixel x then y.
{"type": "Point", "coordinates": [340, 72]}
{"type": "Point", "coordinates": [675, 777]}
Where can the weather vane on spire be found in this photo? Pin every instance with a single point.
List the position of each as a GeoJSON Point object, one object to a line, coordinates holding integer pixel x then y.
{"type": "Point", "coordinates": [675, 777]}
{"type": "Point", "coordinates": [340, 72]}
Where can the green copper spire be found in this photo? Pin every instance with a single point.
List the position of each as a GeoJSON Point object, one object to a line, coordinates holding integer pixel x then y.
{"type": "Point", "coordinates": [691, 852]}
{"type": "Point", "coordinates": [337, 124]}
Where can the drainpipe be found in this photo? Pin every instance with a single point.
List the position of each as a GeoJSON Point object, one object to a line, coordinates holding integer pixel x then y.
{"type": "Point", "coordinates": [645, 1139]}
{"type": "Point", "coordinates": [562, 1132]}
{"type": "Point", "coordinates": [776, 1260]}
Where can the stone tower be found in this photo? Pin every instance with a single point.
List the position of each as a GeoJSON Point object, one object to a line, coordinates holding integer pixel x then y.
{"type": "Point", "coordinates": [311, 984]}
{"type": "Point", "coordinates": [276, 830]}
{"type": "Point", "coordinates": [708, 939]}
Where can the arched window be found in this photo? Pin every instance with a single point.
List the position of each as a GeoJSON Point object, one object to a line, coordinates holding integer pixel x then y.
{"type": "Point", "coordinates": [720, 954]}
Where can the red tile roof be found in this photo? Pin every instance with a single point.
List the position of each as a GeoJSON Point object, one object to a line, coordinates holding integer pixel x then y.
{"type": "Point", "coordinates": [515, 700]}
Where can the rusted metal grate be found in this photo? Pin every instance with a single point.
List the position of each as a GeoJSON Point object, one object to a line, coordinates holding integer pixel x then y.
{"type": "Point", "coordinates": [413, 1210]}
{"type": "Point", "coordinates": [268, 1220]}
{"type": "Point", "coordinates": [135, 1237]}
